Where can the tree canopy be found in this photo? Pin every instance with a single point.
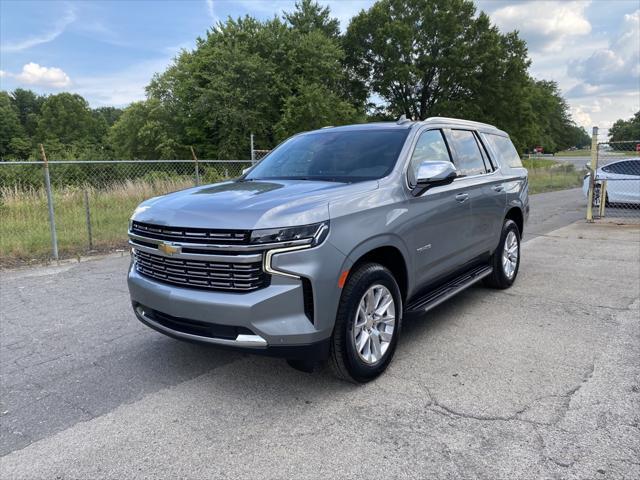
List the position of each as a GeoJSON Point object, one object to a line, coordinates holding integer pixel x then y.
{"type": "Point", "coordinates": [626, 130]}
{"type": "Point", "coordinates": [298, 72]}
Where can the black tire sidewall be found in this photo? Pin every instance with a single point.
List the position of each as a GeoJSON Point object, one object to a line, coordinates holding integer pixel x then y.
{"type": "Point", "coordinates": [509, 226]}
{"type": "Point", "coordinates": [371, 274]}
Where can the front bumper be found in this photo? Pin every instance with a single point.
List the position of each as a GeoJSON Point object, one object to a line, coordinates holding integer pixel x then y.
{"type": "Point", "coordinates": [271, 320]}
{"type": "Point", "coordinates": [249, 343]}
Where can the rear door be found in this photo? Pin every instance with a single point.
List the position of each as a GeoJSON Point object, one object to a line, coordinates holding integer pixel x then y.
{"type": "Point", "coordinates": [623, 181]}
{"type": "Point", "coordinates": [485, 188]}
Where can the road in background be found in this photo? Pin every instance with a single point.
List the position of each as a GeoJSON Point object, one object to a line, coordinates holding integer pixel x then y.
{"type": "Point", "coordinates": [578, 162]}
{"type": "Point", "coordinates": [552, 210]}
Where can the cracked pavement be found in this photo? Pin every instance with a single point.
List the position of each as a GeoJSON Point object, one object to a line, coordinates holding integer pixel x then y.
{"type": "Point", "coordinates": [539, 381]}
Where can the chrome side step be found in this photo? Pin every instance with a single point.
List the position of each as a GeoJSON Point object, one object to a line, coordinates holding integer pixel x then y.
{"type": "Point", "coordinates": [449, 289]}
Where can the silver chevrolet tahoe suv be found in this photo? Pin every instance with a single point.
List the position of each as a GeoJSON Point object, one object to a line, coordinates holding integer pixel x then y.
{"type": "Point", "coordinates": [317, 252]}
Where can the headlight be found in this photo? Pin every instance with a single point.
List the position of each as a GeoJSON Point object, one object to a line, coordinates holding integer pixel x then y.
{"type": "Point", "coordinates": [315, 234]}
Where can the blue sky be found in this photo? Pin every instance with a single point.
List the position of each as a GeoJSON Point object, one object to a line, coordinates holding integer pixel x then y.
{"type": "Point", "coordinates": [108, 50]}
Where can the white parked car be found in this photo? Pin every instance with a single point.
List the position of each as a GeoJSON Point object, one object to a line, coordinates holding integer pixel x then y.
{"type": "Point", "coordinates": [623, 182]}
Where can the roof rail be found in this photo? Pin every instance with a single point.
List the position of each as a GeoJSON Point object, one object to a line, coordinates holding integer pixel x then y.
{"type": "Point", "coordinates": [460, 121]}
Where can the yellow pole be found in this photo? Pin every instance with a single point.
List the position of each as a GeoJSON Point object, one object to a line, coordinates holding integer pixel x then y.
{"type": "Point", "coordinates": [603, 197]}
{"type": "Point", "coordinates": [592, 179]}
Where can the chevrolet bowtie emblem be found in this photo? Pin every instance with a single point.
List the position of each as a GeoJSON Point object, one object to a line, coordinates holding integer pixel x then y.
{"type": "Point", "coordinates": [168, 248]}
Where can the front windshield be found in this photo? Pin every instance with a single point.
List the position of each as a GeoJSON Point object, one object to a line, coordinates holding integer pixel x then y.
{"type": "Point", "coordinates": [338, 156]}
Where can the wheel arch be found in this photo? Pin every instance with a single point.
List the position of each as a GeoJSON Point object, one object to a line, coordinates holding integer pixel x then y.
{"type": "Point", "coordinates": [388, 253]}
{"type": "Point", "coordinates": [515, 214]}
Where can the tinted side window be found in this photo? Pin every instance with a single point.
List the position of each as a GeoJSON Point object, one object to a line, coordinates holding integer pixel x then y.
{"type": "Point", "coordinates": [503, 150]}
{"type": "Point", "coordinates": [468, 157]}
{"type": "Point", "coordinates": [631, 167]}
{"type": "Point", "coordinates": [430, 146]}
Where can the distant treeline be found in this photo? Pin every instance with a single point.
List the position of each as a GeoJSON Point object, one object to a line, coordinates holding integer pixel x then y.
{"type": "Point", "coordinates": [298, 72]}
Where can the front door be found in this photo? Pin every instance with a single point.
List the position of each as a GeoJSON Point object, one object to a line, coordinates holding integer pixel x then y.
{"type": "Point", "coordinates": [437, 230]}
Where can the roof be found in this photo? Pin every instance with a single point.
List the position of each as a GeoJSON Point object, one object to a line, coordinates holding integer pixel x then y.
{"type": "Point", "coordinates": [408, 124]}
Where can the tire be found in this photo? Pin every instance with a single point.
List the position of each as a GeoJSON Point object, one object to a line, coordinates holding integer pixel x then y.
{"type": "Point", "coordinates": [347, 361]}
{"type": "Point", "coordinates": [502, 277]}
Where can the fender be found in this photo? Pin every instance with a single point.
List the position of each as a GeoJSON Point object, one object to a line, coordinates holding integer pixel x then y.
{"type": "Point", "coordinates": [378, 241]}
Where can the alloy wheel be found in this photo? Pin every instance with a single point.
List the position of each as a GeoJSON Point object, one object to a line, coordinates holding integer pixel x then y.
{"type": "Point", "coordinates": [374, 324]}
{"type": "Point", "coordinates": [510, 255]}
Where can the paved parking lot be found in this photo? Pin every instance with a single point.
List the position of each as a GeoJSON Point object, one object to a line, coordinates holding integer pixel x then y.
{"type": "Point", "coordinates": [542, 380]}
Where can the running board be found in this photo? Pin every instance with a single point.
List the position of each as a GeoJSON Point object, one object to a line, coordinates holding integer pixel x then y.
{"type": "Point", "coordinates": [449, 289]}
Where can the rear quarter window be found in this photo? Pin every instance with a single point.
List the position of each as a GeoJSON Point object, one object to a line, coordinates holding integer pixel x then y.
{"type": "Point", "coordinates": [503, 150]}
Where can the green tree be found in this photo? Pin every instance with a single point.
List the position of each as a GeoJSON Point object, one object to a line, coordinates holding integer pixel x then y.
{"type": "Point", "coordinates": [253, 76]}
{"type": "Point", "coordinates": [309, 16]}
{"type": "Point", "coordinates": [625, 129]}
{"type": "Point", "coordinates": [66, 118]}
{"type": "Point", "coordinates": [103, 120]}
{"type": "Point", "coordinates": [141, 133]}
{"type": "Point", "coordinates": [432, 57]}
{"type": "Point", "coordinates": [12, 134]}
{"type": "Point", "coordinates": [28, 105]}
{"type": "Point", "coordinates": [314, 107]}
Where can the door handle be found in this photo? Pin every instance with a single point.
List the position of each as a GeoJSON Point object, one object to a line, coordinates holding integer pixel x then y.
{"type": "Point", "coordinates": [461, 197]}
{"type": "Point", "coordinates": [498, 188]}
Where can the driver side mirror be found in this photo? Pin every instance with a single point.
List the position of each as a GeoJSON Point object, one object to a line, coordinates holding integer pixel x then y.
{"type": "Point", "coordinates": [433, 174]}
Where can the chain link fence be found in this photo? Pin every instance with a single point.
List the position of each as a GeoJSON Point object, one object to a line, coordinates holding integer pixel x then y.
{"type": "Point", "coordinates": [614, 189]}
{"type": "Point", "coordinates": [90, 202]}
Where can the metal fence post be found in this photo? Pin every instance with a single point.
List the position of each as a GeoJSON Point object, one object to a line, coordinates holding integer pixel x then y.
{"type": "Point", "coordinates": [52, 220]}
{"type": "Point", "coordinates": [195, 160]}
{"type": "Point", "coordinates": [603, 198]}
{"type": "Point", "coordinates": [592, 179]}
{"type": "Point", "coordinates": [253, 153]}
{"type": "Point", "coordinates": [88, 217]}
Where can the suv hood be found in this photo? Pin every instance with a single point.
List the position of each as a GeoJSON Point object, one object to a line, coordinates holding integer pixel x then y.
{"type": "Point", "coordinates": [247, 205]}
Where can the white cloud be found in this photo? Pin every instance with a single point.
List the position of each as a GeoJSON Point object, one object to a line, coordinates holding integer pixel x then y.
{"type": "Point", "coordinates": [615, 67]}
{"type": "Point", "coordinates": [3, 73]}
{"type": "Point", "coordinates": [581, 117]}
{"type": "Point", "coordinates": [58, 28]}
{"type": "Point", "coordinates": [34, 74]}
{"type": "Point", "coordinates": [546, 25]}
{"type": "Point", "coordinates": [122, 87]}
{"type": "Point", "coordinates": [211, 11]}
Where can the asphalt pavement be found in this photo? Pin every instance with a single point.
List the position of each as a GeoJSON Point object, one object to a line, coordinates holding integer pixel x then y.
{"type": "Point", "coordinates": [541, 380]}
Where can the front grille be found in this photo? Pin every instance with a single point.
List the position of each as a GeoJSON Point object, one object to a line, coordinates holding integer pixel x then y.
{"type": "Point", "coordinates": [227, 276]}
{"type": "Point", "coordinates": [192, 235]}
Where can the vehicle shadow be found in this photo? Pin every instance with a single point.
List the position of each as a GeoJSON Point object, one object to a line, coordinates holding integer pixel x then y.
{"type": "Point", "coordinates": [416, 329]}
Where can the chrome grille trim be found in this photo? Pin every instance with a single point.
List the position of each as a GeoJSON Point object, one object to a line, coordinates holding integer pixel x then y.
{"type": "Point", "coordinates": [211, 275]}
{"type": "Point", "coordinates": [205, 257]}
{"type": "Point", "coordinates": [135, 239]}
{"type": "Point", "coordinates": [191, 235]}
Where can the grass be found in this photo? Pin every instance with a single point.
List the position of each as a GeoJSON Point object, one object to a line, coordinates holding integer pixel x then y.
{"type": "Point", "coordinates": [546, 175]}
{"type": "Point", "coordinates": [629, 151]}
{"type": "Point", "coordinates": [574, 153]}
{"type": "Point", "coordinates": [24, 224]}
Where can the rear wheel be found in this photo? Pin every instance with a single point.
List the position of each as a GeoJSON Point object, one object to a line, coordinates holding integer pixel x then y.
{"type": "Point", "coordinates": [367, 325]}
{"type": "Point", "coordinates": [506, 259]}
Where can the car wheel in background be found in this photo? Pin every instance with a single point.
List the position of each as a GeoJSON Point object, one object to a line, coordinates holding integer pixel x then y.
{"type": "Point", "coordinates": [367, 325]}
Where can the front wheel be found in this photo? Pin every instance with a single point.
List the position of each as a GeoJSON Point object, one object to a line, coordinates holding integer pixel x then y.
{"type": "Point", "coordinates": [367, 325]}
{"type": "Point", "coordinates": [506, 259]}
